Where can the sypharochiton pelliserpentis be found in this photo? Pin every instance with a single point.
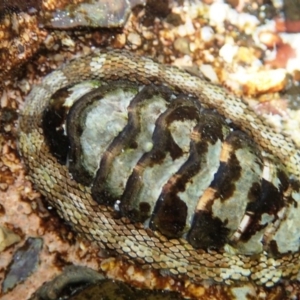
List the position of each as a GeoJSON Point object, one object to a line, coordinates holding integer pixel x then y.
{"type": "Point", "coordinates": [166, 169]}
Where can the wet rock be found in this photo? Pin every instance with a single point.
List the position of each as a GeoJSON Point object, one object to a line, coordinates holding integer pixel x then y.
{"type": "Point", "coordinates": [181, 44]}
{"type": "Point", "coordinates": [174, 19]}
{"type": "Point", "coordinates": [292, 94]}
{"type": "Point", "coordinates": [7, 115]}
{"type": "Point", "coordinates": [263, 9]}
{"type": "Point", "coordinates": [95, 13]}
{"type": "Point", "coordinates": [7, 238]}
{"type": "Point", "coordinates": [283, 54]}
{"type": "Point", "coordinates": [155, 9]}
{"type": "Point", "coordinates": [17, 5]}
{"type": "Point", "coordinates": [20, 38]}
{"type": "Point", "coordinates": [270, 39]}
{"type": "Point", "coordinates": [134, 39]}
{"type": "Point", "coordinates": [72, 279]}
{"type": "Point", "coordinates": [291, 10]}
{"type": "Point", "coordinates": [79, 283]}
{"type": "Point", "coordinates": [256, 83]}
{"type": "Point", "coordinates": [24, 263]}
{"type": "Point", "coordinates": [158, 8]}
{"type": "Point", "coordinates": [117, 290]}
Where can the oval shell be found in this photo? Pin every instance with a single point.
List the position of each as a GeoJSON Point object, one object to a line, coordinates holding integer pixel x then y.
{"type": "Point", "coordinates": [166, 168]}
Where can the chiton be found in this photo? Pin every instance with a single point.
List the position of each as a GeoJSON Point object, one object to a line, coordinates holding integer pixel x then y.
{"type": "Point", "coordinates": [165, 168]}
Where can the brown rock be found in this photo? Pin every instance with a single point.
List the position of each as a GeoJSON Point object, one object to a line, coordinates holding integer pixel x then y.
{"type": "Point", "coordinates": [269, 38]}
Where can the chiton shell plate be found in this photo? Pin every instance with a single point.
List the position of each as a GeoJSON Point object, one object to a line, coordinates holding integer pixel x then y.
{"type": "Point", "coordinates": [158, 157]}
